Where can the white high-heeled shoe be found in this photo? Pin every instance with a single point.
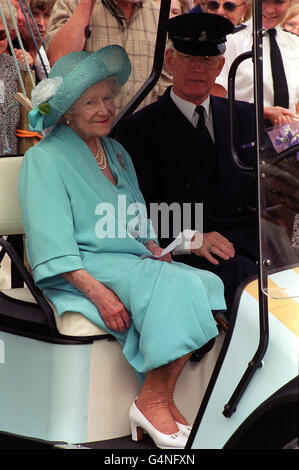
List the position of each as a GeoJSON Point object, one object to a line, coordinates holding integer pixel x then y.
{"type": "Point", "coordinates": [185, 428]}
{"type": "Point", "coordinates": [139, 423]}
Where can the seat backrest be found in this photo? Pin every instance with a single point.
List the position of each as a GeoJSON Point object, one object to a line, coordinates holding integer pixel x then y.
{"type": "Point", "coordinates": [10, 209]}
{"type": "Point", "coordinates": [71, 323]}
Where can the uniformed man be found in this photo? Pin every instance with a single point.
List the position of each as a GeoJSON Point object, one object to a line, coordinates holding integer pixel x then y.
{"type": "Point", "coordinates": [181, 152]}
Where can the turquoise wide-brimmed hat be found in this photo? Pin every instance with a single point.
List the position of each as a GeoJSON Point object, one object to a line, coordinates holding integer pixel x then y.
{"type": "Point", "coordinates": [70, 76]}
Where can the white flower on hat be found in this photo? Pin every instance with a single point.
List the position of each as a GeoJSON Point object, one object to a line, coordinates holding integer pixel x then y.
{"type": "Point", "coordinates": [45, 90]}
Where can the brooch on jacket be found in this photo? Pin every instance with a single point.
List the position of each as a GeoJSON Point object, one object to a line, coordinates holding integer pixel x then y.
{"type": "Point", "coordinates": [121, 160]}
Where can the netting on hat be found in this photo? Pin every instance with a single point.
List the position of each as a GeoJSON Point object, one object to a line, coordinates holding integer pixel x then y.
{"type": "Point", "coordinates": [78, 78]}
{"type": "Point", "coordinates": [87, 101]}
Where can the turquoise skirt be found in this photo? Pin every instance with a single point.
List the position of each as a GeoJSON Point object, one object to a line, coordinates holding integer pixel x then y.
{"type": "Point", "coordinates": [170, 306]}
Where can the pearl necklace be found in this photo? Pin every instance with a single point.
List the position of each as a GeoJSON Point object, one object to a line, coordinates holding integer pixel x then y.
{"type": "Point", "coordinates": [101, 155]}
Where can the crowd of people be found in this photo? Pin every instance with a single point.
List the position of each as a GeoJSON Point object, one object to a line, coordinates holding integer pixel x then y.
{"type": "Point", "coordinates": [58, 27]}
{"type": "Point", "coordinates": [174, 149]}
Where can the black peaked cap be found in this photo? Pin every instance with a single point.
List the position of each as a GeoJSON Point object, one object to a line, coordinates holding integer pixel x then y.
{"type": "Point", "coordinates": [202, 34]}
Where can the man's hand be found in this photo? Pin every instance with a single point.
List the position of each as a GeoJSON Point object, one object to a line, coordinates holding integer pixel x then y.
{"type": "Point", "coordinates": [71, 36]}
{"type": "Point", "coordinates": [212, 244]}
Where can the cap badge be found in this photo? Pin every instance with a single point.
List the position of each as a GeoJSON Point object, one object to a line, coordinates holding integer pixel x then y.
{"type": "Point", "coordinates": [203, 36]}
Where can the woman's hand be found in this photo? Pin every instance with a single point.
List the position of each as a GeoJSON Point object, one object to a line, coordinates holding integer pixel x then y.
{"type": "Point", "coordinates": [109, 305]}
{"type": "Point", "coordinates": [212, 244]}
{"type": "Point", "coordinates": [278, 115]}
{"type": "Point", "coordinates": [112, 311]}
{"type": "Point", "coordinates": [157, 250]}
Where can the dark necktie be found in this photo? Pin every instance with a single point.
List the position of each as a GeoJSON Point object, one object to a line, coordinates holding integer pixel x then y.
{"type": "Point", "coordinates": [201, 125]}
{"type": "Point", "coordinates": [206, 147]}
{"type": "Point", "coordinates": [280, 86]}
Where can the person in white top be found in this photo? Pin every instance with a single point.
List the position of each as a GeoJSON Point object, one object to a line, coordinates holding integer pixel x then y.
{"type": "Point", "coordinates": [273, 13]}
{"type": "Point", "coordinates": [291, 21]}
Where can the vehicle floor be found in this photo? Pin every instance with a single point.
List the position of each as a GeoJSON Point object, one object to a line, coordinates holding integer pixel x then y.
{"type": "Point", "coordinates": [11, 441]}
{"type": "Point", "coordinates": [124, 442]}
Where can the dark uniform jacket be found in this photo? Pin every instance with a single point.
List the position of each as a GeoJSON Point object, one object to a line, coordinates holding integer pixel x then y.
{"type": "Point", "coordinates": [173, 164]}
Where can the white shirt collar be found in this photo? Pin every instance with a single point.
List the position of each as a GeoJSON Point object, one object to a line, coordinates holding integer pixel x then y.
{"type": "Point", "coordinates": [188, 108]}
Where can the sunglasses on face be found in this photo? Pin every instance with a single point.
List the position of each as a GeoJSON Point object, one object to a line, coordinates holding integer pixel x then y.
{"type": "Point", "coordinates": [213, 5]}
{"type": "Point", "coordinates": [2, 35]}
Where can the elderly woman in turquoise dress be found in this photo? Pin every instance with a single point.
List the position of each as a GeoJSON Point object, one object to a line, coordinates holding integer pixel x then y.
{"type": "Point", "coordinates": [79, 196]}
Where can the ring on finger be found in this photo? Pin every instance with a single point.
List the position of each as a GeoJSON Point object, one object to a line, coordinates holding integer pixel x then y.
{"type": "Point", "coordinates": [210, 247]}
